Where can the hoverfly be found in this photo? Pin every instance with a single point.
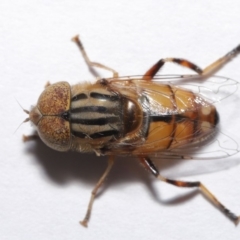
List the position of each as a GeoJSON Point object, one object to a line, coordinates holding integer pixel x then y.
{"type": "Point", "coordinates": [143, 116]}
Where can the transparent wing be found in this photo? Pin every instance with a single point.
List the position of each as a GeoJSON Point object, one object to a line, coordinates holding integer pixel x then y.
{"type": "Point", "coordinates": [219, 152]}
{"type": "Point", "coordinates": [216, 146]}
{"type": "Point", "coordinates": [224, 144]}
{"type": "Point", "coordinates": [214, 89]}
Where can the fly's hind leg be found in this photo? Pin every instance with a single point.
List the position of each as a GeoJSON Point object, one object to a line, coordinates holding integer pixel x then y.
{"type": "Point", "coordinates": [156, 67]}
{"type": "Point", "coordinates": [85, 221]}
{"type": "Point", "coordinates": [185, 63]}
{"type": "Point", "coordinates": [89, 63]}
{"type": "Point", "coordinates": [148, 164]}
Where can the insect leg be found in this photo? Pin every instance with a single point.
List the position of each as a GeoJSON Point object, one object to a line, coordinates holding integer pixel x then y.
{"type": "Point", "coordinates": [185, 63]}
{"type": "Point", "coordinates": [148, 164]}
{"type": "Point", "coordinates": [27, 138]}
{"type": "Point", "coordinates": [89, 63]}
{"type": "Point", "coordinates": [213, 67]}
{"type": "Point", "coordinates": [84, 222]}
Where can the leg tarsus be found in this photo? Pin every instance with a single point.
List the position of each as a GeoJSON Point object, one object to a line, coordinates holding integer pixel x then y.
{"type": "Point", "coordinates": [27, 138]}
{"type": "Point", "coordinates": [213, 67]}
{"type": "Point", "coordinates": [85, 221]}
{"type": "Point", "coordinates": [90, 64]}
{"type": "Point", "coordinates": [237, 221]}
{"type": "Point", "coordinates": [149, 165]}
{"type": "Point", "coordinates": [206, 193]}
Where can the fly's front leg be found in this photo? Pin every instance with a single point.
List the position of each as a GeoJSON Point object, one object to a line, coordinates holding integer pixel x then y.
{"type": "Point", "coordinates": [85, 221]}
{"type": "Point", "coordinates": [185, 63]}
{"type": "Point", "coordinates": [89, 63]}
{"type": "Point", "coordinates": [27, 138]}
{"type": "Point", "coordinates": [148, 164]}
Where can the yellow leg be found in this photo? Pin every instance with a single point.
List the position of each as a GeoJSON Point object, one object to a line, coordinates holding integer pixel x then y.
{"type": "Point", "coordinates": [148, 164]}
{"type": "Point", "coordinates": [85, 221]}
{"type": "Point", "coordinates": [205, 192]}
{"type": "Point", "coordinates": [89, 63]}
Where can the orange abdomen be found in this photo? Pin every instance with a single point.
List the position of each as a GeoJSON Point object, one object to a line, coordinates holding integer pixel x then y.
{"type": "Point", "coordinates": [176, 117]}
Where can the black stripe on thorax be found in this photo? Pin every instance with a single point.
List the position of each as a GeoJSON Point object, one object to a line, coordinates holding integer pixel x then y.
{"type": "Point", "coordinates": [96, 135]}
{"type": "Point", "coordinates": [99, 109]}
{"type": "Point", "coordinates": [94, 121]}
{"type": "Point", "coordinates": [79, 96]}
{"type": "Point", "coordinates": [102, 96]}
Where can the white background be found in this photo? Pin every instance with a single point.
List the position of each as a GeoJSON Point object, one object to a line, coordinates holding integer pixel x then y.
{"type": "Point", "coordinates": [43, 193]}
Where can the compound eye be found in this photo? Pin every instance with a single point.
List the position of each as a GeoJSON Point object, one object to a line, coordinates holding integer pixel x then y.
{"type": "Point", "coordinates": [48, 116]}
{"type": "Point", "coordinates": [55, 132]}
{"type": "Point", "coordinates": [55, 99]}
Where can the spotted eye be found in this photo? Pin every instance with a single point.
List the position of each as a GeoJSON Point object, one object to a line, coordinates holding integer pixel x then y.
{"type": "Point", "coordinates": [55, 132]}
{"type": "Point", "coordinates": [50, 116]}
{"type": "Point", "coordinates": [55, 99]}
